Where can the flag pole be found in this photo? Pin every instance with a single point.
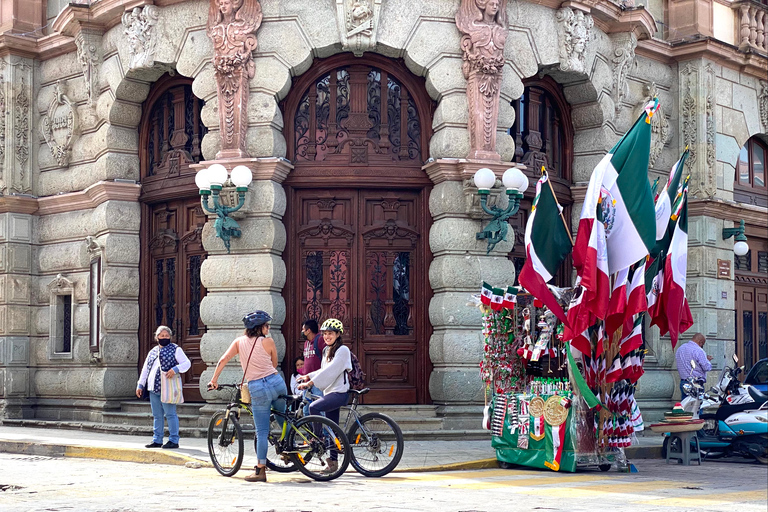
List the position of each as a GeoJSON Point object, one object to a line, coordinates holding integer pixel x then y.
{"type": "Point", "coordinates": [559, 208]}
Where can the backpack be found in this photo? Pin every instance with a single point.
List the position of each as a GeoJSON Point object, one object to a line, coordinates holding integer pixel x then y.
{"type": "Point", "coordinates": [355, 376]}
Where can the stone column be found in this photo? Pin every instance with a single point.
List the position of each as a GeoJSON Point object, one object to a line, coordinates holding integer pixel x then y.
{"type": "Point", "coordinates": [252, 275]}
{"type": "Point", "coordinates": [15, 281]}
{"type": "Point", "coordinates": [459, 266]}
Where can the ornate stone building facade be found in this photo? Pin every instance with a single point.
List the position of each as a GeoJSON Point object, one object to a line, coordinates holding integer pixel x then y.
{"type": "Point", "coordinates": [363, 122]}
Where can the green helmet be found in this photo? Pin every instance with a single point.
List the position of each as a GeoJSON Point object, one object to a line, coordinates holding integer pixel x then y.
{"type": "Point", "coordinates": [333, 324]}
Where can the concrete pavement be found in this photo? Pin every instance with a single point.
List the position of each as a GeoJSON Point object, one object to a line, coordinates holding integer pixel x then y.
{"type": "Point", "coordinates": [434, 455]}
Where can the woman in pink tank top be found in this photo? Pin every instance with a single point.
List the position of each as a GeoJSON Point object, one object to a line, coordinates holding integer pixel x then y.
{"type": "Point", "coordinates": [258, 358]}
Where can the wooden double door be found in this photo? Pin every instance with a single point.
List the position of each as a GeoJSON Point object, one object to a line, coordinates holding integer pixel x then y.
{"type": "Point", "coordinates": [360, 255]}
{"type": "Point", "coordinates": [171, 285]}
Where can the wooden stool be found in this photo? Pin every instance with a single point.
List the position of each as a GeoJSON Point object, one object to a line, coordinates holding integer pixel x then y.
{"type": "Point", "coordinates": [684, 456]}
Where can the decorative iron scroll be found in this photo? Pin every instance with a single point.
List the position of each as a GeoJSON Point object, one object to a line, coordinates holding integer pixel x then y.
{"type": "Point", "coordinates": [195, 295]}
{"type": "Point", "coordinates": [401, 293]}
{"type": "Point", "coordinates": [314, 291]}
{"type": "Point", "coordinates": [170, 312]}
{"type": "Point", "coordinates": [377, 265]}
{"type": "Point", "coordinates": [326, 129]}
{"type": "Point", "coordinates": [339, 273]}
{"type": "Point", "coordinates": [160, 275]}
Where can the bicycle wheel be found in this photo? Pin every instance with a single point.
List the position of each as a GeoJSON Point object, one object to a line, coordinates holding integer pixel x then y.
{"type": "Point", "coordinates": [225, 443]}
{"type": "Point", "coordinates": [280, 462]}
{"type": "Point", "coordinates": [315, 443]}
{"type": "Point", "coordinates": [376, 444]}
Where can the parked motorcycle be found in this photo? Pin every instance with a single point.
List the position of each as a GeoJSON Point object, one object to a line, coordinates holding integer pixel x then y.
{"type": "Point", "coordinates": [735, 416]}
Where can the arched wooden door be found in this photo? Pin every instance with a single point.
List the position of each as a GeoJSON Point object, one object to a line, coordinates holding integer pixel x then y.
{"type": "Point", "coordinates": [171, 223]}
{"type": "Point", "coordinates": [358, 218]}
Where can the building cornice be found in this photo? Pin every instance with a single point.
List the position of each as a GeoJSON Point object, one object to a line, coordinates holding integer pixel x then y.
{"type": "Point", "coordinates": [755, 217]}
{"type": "Point", "coordinates": [18, 204]}
{"type": "Point", "coordinates": [89, 198]}
{"type": "Point", "coordinates": [750, 63]}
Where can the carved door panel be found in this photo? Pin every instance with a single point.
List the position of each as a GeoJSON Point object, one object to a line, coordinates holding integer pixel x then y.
{"type": "Point", "coordinates": [356, 257]}
{"type": "Point", "coordinates": [175, 255]}
{"type": "Point", "coordinates": [384, 335]}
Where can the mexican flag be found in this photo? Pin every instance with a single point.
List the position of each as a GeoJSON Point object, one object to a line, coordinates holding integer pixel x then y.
{"type": "Point", "coordinates": [617, 225]}
{"type": "Point", "coordinates": [497, 298]}
{"type": "Point", "coordinates": [633, 338]}
{"type": "Point", "coordinates": [665, 203]}
{"type": "Point", "coordinates": [510, 298]}
{"type": "Point", "coordinates": [636, 298]}
{"type": "Point", "coordinates": [675, 304]}
{"type": "Point", "coordinates": [547, 244]}
{"type": "Point", "coordinates": [486, 292]}
{"type": "Point", "coordinates": [618, 302]}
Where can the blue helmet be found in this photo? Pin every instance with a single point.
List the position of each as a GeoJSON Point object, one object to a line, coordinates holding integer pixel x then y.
{"type": "Point", "coordinates": [255, 319]}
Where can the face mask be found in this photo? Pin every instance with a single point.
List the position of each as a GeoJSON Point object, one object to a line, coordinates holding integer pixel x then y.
{"type": "Point", "coordinates": [164, 341]}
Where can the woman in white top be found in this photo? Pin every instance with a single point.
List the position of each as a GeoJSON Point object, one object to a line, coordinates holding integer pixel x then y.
{"type": "Point", "coordinates": [331, 378]}
{"type": "Point", "coordinates": [170, 359]}
{"type": "Point", "coordinates": [298, 364]}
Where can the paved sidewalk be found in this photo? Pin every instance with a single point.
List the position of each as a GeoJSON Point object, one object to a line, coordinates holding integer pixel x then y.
{"type": "Point", "coordinates": [418, 455]}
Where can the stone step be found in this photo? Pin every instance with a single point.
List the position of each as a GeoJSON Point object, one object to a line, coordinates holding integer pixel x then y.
{"type": "Point", "coordinates": [145, 418]}
{"type": "Point", "coordinates": [199, 432]}
{"type": "Point", "coordinates": [144, 407]}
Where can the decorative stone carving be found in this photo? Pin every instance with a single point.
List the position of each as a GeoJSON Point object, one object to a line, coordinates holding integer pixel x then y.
{"type": "Point", "coordinates": [139, 26]}
{"type": "Point", "coordinates": [16, 93]}
{"type": "Point", "coordinates": [697, 118]}
{"type": "Point", "coordinates": [232, 27]}
{"type": "Point", "coordinates": [660, 129]}
{"type": "Point", "coordinates": [93, 247]}
{"type": "Point", "coordinates": [59, 125]}
{"type": "Point", "coordinates": [623, 59]}
{"type": "Point", "coordinates": [60, 284]}
{"type": "Point", "coordinates": [762, 101]}
{"type": "Point", "coordinates": [688, 113]}
{"type": "Point", "coordinates": [574, 31]}
{"type": "Point", "coordinates": [88, 56]}
{"type": "Point", "coordinates": [358, 21]}
{"type": "Point", "coordinates": [483, 24]}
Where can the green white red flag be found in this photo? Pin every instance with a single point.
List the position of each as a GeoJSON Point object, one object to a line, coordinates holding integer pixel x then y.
{"type": "Point", "coordinates": [510, 298]}
{"type": "Point", "coordinates": [497, 298]}
{"type": "Point", "coordinates": [486, 292]}
{"type": "Point", "coordinates": [547, 244]}
{"type": "Point", "coordinates": [617, 226]}
{"type": "Point", "coordinates": [675, 303]}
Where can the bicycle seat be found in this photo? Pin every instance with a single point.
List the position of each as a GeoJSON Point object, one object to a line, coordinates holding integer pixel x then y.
{"type": "Point", "coordinates": [360, 392]}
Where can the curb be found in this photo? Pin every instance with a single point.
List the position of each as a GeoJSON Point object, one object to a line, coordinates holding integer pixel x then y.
{"type": "Point", "coordinates": [90, 452]}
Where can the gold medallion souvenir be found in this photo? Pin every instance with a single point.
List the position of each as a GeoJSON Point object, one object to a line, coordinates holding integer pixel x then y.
{"type": "Point", "coordinates": [536, 407]}
{"type": "Point", "coordinates": [554, 412]}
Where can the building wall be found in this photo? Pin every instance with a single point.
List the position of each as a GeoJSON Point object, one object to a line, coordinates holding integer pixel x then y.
{"type": "Point", "coordinates": [605, 97]}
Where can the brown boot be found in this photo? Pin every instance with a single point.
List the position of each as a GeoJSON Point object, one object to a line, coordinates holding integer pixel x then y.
{"type": "Point", "coordinates": [259, 475]}
{"type": "Point", "coordinates": [331, 466]}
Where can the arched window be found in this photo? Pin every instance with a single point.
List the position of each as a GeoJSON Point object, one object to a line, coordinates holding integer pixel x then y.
{"type": "Point", "coordinates": [543, 137]}
{"type": "Point", "coordinates": [750, 184]}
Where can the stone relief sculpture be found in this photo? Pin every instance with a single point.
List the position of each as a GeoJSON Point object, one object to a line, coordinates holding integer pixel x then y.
{"type": "Point", "coordinates": [358, 22]}
{"type": "Point", "coordinates": [139, 26]}
{"type": "Point", "coordinates": [575, 31]}
{"type": "Point", "coordinates": [623, 58]}
{"type": "Point", "coordinates": [88, 57]}
{"type": "Point", "coordinates": [697, 118]}
{"type": "Point", "coordinates": [660, 128]}
{"type": "Point", "coordinates": [232, 27]}
{"type": "Point", "coordinates": [59, 125]}
{"type": "Point", "coordinates": [762, 102]}
{"type": "Point", "coordinates": [483, 24]}
{"type": "Point", "coordinates": [688, 114]}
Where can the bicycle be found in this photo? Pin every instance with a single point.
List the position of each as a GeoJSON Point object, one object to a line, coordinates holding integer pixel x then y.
{"type": "Point", "coordinates": [306, 444]}
{"type": "Point", "coordinates": [376, 440]}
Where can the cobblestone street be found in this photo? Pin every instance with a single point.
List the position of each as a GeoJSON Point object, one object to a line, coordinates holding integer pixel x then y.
{"type": "Point", "coordinates": [34, 483]}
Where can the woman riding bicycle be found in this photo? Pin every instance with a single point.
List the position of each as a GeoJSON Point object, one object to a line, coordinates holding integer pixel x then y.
{"type": "Point", "coordinates": [331, 377]}
{"type": "Point", "coordinates": [258, 357]}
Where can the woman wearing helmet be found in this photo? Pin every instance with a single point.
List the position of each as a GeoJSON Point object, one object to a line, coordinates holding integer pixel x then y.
{"type": "Point", "coordinates": [258, 357]}
{"type": "Point", "coordinates": [331, 378]}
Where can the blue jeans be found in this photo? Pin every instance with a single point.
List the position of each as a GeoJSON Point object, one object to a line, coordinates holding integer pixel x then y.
{"type": "Point", "coordinates": [314, 391]}
{"type": "Point", "coordinates": [264, 393]}
{"type": "Point", "coordinates": [330, 404]}
{"type": "Point", "coordinates": [159, 409]}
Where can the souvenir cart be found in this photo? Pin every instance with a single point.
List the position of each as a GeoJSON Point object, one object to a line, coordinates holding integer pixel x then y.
{"type": "Point", "coordinates": [549, 406]}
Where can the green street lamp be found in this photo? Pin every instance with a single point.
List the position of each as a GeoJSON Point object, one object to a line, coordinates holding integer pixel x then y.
{"type": "Point", "coordinates": [740, 248]}
{"type": "Point", "coordinates": [210, 181]}
{"type": "Point", "coordinates": [516, 184]}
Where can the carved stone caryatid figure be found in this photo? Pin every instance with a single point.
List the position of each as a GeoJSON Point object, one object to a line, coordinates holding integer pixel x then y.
{"type": "Point", "coordinates": [574, 32]}
{"type": "Point", "coordinates": [59, 125]}
{"type": "Point", "coordinates": [483, 24]}
{"type": "Point", "coordinates": [232, 27]}
{"type": "Point", "coordinates": [139, 26]}
{"type": "Point", "coordinates": [358, 21]}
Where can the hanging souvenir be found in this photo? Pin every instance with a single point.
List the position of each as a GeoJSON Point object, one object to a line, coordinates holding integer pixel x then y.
{"type": "Point", "coordinates": [536, 409]}
{"type": "Point", "coordinates": [499, 411]}
{"type": "Point", "coordinates": [555, 414]}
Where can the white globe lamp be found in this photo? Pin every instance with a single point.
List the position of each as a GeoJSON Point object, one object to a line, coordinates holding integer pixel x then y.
{"type": "Point", "coordinates": [484, 180]}
{"type": "Point", "coordinates": [217, 175]}
{"type": "Point", "coordinates": [241, 176]}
